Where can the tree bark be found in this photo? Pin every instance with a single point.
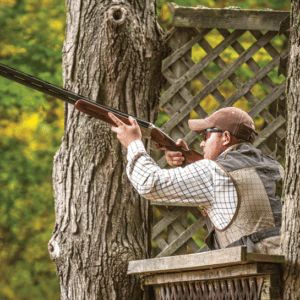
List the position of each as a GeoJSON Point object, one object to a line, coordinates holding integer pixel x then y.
{"type": "Point", "coordinates": [112, 54]}
{"type": "Point", "coordinates": [291, 210]}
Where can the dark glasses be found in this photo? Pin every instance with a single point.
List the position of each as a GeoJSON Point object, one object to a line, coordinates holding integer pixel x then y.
{"type": "Point", "coordinates": [205, 134]}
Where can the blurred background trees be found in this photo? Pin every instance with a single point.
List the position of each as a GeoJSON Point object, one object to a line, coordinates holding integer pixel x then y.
{"type": "Point", "coordinates": [31, 127]}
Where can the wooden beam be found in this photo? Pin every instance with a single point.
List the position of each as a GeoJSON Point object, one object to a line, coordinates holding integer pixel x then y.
{"type": "Point", "coordinates": [207, 260]}
{"type": "Point", "coordinates": [213, 274]}
{"type": "Point", "coordinates": [229, 18]}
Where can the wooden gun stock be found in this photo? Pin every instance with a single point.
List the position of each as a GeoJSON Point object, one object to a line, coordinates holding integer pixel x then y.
{"type": "Point", "coordinates": [156, 135]}
{"type": "Point", "coordinates": [164, 141]}
{"type": "Point", "coordinates": [98, 112]}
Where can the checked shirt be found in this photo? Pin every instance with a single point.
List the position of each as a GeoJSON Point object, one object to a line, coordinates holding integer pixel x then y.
{"type": "Point", "coordinates": [202, 183]}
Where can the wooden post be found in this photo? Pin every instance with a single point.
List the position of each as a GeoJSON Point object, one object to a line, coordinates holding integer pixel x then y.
{"type": "Point", "coordinates": [178, 69]}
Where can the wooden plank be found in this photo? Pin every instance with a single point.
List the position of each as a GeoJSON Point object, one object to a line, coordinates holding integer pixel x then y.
{"type": "Point", "coordinates": [201, 76]}
{"type": "Point", "coordinates": [280, 148]}
{"type": "Point", "coordinates": [184, 93]}
{"type": "Point", "coordinates": [284, 25]}
{"type": "Point", "coordinates": [179, 227]}
{"type": "Point", "coordinates": [214, 274]}
{"type": "Point", "coordinates": [182, 238]}
{"type": "Point", "coordinates": [268, 47]}
{"type": "Point", "coordinates": [170, 111]}
{"type": "Point", "coordinates": [204, 249]}
{"type": "Point", "coordinates": [202, 17]}
{"type": "Point", "coordinates": [160, 242]}
{"type": "Point", "coordinates": [166, 221]}
{"type": "Point", "coordinates": [267, 100]}
{"type": "Point", "coordinates": [264, 149]}
{"type": "Point", "coordinates": [206, 260]}
{"type": "Point", "coordinates": [190, 242]}
{"type": "Point", "coordinates": [196, 69]}
{"type": "Point", "coordinates": [162, 163]}
{"type": "Point", "coordinates": [177, 54]}
{"type": "Point", "coordinates": [276, 259]}
{"type": "Point", "coordinates": [283, 67]}
{"type": "Point", "coordinates": [271, 128]}
{"type": "Point", "coordinates": [173, 236]}
{"type": "Point", "coordinates": [217, 81]}
{"type": "Point", "coordinates": [178, 69]}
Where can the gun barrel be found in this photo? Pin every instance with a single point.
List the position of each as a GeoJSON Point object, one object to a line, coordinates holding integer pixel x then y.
{"type": "Point", "coordinates": [57, 92]}
{"type": "Point", "coordinates": [38, 84]}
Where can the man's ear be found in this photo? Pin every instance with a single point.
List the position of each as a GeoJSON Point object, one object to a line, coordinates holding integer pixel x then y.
{"type": "Point", "coordinates": [228, 139]}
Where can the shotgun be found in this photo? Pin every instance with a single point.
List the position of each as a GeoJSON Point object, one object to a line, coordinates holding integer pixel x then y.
{"type": "Point", "coordinates": [99, 111]}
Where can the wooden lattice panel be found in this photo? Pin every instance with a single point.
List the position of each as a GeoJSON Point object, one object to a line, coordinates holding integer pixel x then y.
{"type": "Point", "coordinates": [180, 70]}
{"type": "Point", "coordinates": [242, 71]}
{"type": "Point", "coordinates": [177, 234]}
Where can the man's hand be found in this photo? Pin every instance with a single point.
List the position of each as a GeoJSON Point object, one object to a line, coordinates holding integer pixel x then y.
{"type": "Point", "coordinates": [175, 158]}
{"type": "Point", "coordinates": [126, 133]}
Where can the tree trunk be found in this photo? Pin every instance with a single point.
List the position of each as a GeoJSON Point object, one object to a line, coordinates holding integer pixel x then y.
{"type": "Point", "coordinates": [291, 213]}
{"type": "Point", "coordinates": [112, 54]}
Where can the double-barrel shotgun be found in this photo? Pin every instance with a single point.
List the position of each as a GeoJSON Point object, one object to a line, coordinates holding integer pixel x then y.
{"type": "Point", "coordinates": [99, 111]}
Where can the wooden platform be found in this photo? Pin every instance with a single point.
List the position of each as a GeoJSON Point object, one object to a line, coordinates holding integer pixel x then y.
{"type": "Point", "coordinates": [219, 274]}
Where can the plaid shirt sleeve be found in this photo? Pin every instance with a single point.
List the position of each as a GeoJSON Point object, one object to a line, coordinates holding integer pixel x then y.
{"type": "Point", "coordinates": [203, 183]}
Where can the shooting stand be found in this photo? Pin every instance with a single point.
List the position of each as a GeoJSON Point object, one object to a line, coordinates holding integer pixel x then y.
{"type": "Point", "coordinates": [222, 274]}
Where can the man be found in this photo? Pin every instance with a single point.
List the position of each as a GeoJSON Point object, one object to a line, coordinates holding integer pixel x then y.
{"type": "Point", "coordinates": [234, 184]}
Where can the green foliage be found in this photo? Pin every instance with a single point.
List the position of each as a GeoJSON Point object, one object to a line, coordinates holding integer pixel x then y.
{"type": "Point", "coordinates": [31, 126]}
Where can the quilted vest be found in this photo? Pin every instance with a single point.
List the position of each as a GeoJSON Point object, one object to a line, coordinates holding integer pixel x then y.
{"type": "Point", "coordinates": [255, 176]}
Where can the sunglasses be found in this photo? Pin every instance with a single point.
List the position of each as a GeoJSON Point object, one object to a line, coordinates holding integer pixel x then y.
{"type": "Point", "coordinates": [205, 134]}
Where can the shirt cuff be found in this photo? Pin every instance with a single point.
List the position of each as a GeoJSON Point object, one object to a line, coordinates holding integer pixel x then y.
{"type": "Point", "coordinates": [135, 148]}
